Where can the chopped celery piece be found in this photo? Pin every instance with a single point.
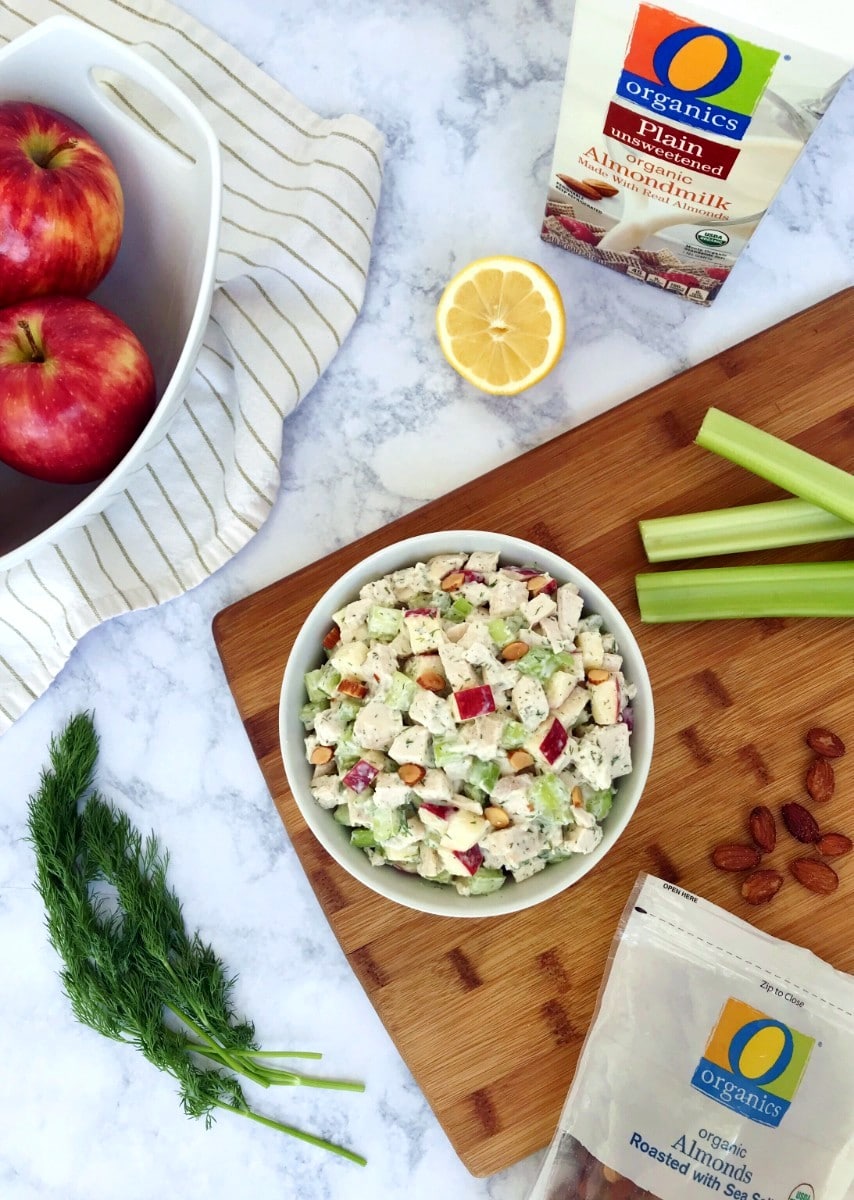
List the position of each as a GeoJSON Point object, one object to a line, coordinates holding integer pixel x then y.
{"type": "Point", "coordinates": [782, 590]}
{"type": "Point", "coordinates": [540, 663]}
{"type": "Point", "coordinates": [504, 629]}
{"type": "Point", "coordinates": [550, 798]}
{"type": "Point", "coordinates": [401, 692]}
{"type": "Point", "coordinates": [309, 711]}
{"type": "Point", "coordinates": [362, 838]}
{"type": "Point", "coordinates": [734, 530]}
{"type": "Point", "coordinates": [599, 803]}
{"type": "Point", "coordinates": [347, 751]}
{"type": "Point", "coordinates": [484, 881]}
{"type": "Point", "coordinates": [328, 680]}
{"type": "Point", "coordinates": [348, 708]}
{"type": "Point", "coordinates": [459, 610]}
{"type": "Point", "coordinates": [474, 792]}
{"type": "Point", "coordinates": [384, 623]}
{"type": "Point", "coordinates": [483, 775]}
{"type": "Point", "coordinates": [386, 823]}
{"type": "Point", "coordinates": [312, 686]}
{"type": "Point", "coordinates": [513, 735]}
{"type": "Point", "coordinates": [779, 462]}
{"type": "Point", "coordinates": [448, 750]}
{"type": "Point", "coordinates": [342, 814]}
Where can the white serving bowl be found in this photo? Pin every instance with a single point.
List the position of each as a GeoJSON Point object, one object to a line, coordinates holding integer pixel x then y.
{"type": "Point", "coordinates": [161, 283]}
{"type": "Point", "coordinates": [411, 890]}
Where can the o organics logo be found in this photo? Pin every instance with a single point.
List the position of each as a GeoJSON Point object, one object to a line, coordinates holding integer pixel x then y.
{"type": "Point", "coordinates": [753, 1064]}
{"type": "Point", "coordinates": [699, 75]}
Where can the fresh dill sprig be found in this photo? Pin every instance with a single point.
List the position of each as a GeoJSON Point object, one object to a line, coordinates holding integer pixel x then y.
{"type": "Point", "coordinates": [130, 968]}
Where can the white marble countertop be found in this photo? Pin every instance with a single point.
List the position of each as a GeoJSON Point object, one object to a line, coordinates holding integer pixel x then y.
{"type": "Point", "coordinates": [467, 96]}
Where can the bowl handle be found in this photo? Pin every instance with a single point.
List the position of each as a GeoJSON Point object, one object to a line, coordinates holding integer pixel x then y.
{"type": "Point", "coordinates": [67, 44]}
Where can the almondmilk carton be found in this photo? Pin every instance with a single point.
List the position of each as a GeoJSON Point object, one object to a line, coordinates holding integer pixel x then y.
{"type": "Point", "coordinates": [678, 124]}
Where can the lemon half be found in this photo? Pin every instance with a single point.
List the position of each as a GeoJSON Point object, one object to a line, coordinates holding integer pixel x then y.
{"type": "Point", "coordinates": [501, 324]}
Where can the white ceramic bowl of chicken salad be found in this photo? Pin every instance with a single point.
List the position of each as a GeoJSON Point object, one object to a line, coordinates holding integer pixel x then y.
{"type": "Point", "coordinates": [466, 723]}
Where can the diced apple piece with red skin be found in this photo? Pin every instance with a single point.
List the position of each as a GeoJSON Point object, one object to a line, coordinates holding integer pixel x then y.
{"type": "Point", "coordinates": [465, 829]}
{"type": "Point", "coordinates": [554, 743]}
{"type": "Point", "coordinates": [471, 859]}
{"type": "Point", "coordinates": [360, 776]}
{"type": "Point", "coordinates": [443, 811]}
{"type": "Point", "coordinates": [605, 701]}
{"type": "Point", "coordinates": [474, 702]}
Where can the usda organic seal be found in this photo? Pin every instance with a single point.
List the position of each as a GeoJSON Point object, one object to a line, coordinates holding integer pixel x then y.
{"type": "Point", "coordinates": [804, 1191]}
{"type": "Point", "coordinates": [712, 237]}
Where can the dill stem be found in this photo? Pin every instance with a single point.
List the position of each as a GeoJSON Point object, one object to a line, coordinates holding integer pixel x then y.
{"type": "Point", "coordinates": [246, 1069]}
{"type": "Point", "coordinates": [281, 1053]}
{"type": "Point", "coordinates": [321, 1143]}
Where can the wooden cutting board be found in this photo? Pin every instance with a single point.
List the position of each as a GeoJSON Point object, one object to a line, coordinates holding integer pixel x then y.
{"type": "Point", "coordinates": [490, 1015]}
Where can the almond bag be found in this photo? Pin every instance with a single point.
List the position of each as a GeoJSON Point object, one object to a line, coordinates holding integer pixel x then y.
{"type": "Point", "coordinates": [720, 1059]}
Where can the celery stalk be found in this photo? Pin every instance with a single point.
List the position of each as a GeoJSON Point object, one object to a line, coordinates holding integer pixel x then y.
{"type": "Point", "coordinates": [734, 530]}
{"type": "Point", "coordinates": [779, 590]}
{"type": "Point", "coordinates": [779, 462]}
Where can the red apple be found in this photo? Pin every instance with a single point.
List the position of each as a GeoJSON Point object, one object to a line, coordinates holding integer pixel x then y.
{"type": "Point", "coordinates": [61, 205]}
{"type": "Point", "coordinates": [76, 389]}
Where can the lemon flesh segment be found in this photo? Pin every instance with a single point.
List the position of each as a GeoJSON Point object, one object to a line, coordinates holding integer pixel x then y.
{"type": "Point", "coordinates": [501, 324]}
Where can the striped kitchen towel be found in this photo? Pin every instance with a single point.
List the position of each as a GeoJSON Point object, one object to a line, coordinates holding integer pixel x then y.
{"type": "Point", "coordinates": [300, 196]}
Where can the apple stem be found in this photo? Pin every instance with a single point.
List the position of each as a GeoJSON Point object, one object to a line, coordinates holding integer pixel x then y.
{"type": "Point", "coordinates": [35, 352]}
{"type": "Point", "coordinates": [68, 144]}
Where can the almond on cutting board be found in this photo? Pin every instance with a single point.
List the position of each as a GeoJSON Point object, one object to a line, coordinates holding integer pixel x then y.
{"type": "Point", "coordinates": [761, 886]}
{"type": "Point", "coordinates": [735, 856]}
{"type": "Point", "coordinates": [763, 828]}
{"type": "Point", "coordinates": [825, 742]}
{"type": "Point", "coordinates": [833, 845]}
{"type": "Point", "coordinates": [820, 780]}
{"type": "Point", "coordinates": [800, 822]}
{"type": "Point", "coordinates": [815, 875]}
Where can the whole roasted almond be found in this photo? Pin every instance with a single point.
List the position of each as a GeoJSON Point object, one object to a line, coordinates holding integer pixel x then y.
{"type": "Point", "coordinates": [321, 755]}
{"type": "Point", "coordinates": [733, 856]}
{"type": "Point", "coordinates": [411, 773]}
{"type": "Point", "coordinates": [831, 845]}
{"type": "Point", "coordinates": [815, 875]}
{"type": "Point", "coordinates": [520, 759]}
{"type": "Point", "coordinates": [583, 189]}
{"type": "Point", "coordinates": [513, 651]}
{"type": "Point", "coordinates": [431, 681]}
{"type": "Point", "coordinates": [825, 743]}
{"type": "Point", "coordinates": [763, 828]}
{"type": "Point", "coordinates": [820, 780]}
{"type": "Point", "coordinates": [761, 886]}
{"type": "Point", "coordinates": [800, 823]}
{"type": "Point", "coordinates": [604, 189]}
{"type": "Point", "coordinates": [451, 582]}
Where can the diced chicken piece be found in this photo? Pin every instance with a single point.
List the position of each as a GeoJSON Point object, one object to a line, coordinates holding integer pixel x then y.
{"type": "Point", "coordinates": [352, 620]}
{"type": "Point", "coordinates": [511, 794]}
{"type": "Point", "coordinates": [482, 735]}
{"type": "Point", "coordinates": [329, 726]}
{"type": "Point", "coordinates": [476, 593]}
{"type": "Point", "coordinates": [376, 725]}
{"type": "Point", "coordinates": [532, 636]}
{"type": "Point", "coordinates": [328, 768]}
{"type": "Point", "coordinates": [529, 702]}
{"type": "Point", "coordinates": [615, 744]}
{"type": "Point", "coordinates": [411, 581]}
{"type": "Point", "coordinates": [389, 790]}
{"type": "Point", "coordinates": [589, 760]}
{"type": "Point", "coordinates": [529, 869]}
{"type": "Point", "coordinates": [328, 791]}
{"type": "Point", "coordinates": [429, 862]}
{"type": "Point", "coordinates": [425, 631]}
{"type": "Point", "coordinates": [582, 841]}
{"type": "Point", "coordinates": [461, 800]}
{"type": "Point", "coordinates": [443, 564]}
{"type": "Point", "coordinates": [573, 706]}
{"type": "Point", "coordinates": [348, 658]}
{"type": "Point", "coordinates": [589, 642]}
{"type": "Point", "coordinates": [465, 829]}
{"type": "Point", "coordinates": [404, 846]}
{"type": "Point", "coordinates": [412, 745]}
{"type": "Point", "coordinates": [559, 687]}
{"type": "Point", "coordinates": [475, 633]}
{"type": "Point", "coordinates": [434, 788]}
{"type": "Point", "coordinates": [628, 691]}
{"type": "Point", "coordinates": [507, 596]}
{"type": "Point", "coordinates": [458, 671]}
{"type": "Point", "coordinates": [511, 847]}
{"type": "Point", "coordinates": [611, 662]}
{"type": "Point", "coordinates": [379, 591]}
{"type": "Point", "coordinates": [569, 608]}
{"type": "Point", "coordinates": [400, 645]}
{"type": "Point", "coordinates": [541, 606]}
{"type": "Point", "coordinates": [380, 663]}
{"type": "Point", "coordinates": [605, 701]}
{"type": "Point", "coordinates": [552, 633]}
{"type": "Point", "coordinates": [583, 818]}
{"type": "Point", "coordinates": [484, 562]}
{"type": "Point", "coordinates": [432, 711]}
{"type": "Point", "coordinates": [496, 674]}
